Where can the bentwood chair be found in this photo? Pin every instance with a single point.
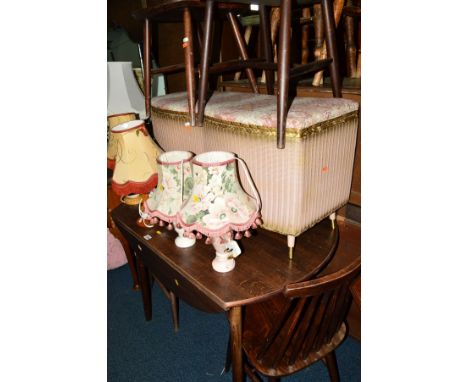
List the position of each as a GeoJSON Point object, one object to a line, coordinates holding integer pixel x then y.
{"type": "Point", "coordinates": [185, 10]}
{"type": "Point", "coordinates": [303, 325]}
{"type": "Point", "coordinates": [286, 73]}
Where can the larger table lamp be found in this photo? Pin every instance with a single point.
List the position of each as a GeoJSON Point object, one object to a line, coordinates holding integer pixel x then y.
{"type": "Point", "coordinates": [134, 162]}
{"type": "Point", "coordinates": [123, 93]}
{"type": "Point", "coordinates": [218, 206]}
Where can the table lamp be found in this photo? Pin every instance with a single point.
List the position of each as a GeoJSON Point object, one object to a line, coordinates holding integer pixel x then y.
{"type": "Point", "coordinates": [175, 186]}
{"type": "Point", "coordinates": [114, 120]}
{"type": "Point", "coordinates": [218, 206]}
{"type": "Point", "coordinates": [135, 156]}
{"type": "Point", "coordinates": [123, 93]}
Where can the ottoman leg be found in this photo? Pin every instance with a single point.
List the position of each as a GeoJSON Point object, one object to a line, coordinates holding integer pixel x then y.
{"type": "Point", "coordinates": [291, 241]}
{"type": "Point", "coordinates": [333, 218]}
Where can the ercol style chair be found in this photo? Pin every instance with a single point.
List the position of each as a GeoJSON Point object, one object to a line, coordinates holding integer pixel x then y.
{"type": "Point", "coordinates": [185, 10]}
{"type": "Point", "coordinates": [307, 323]}
{"type": "Point", "coordinates": [286, 72]}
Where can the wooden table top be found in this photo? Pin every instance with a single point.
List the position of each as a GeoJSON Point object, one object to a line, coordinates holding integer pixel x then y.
{"type": "Point", "coordinates": [262, 270]}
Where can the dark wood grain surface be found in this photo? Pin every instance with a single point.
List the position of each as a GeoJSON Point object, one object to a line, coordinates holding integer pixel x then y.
{"type": "Point", "coordinates": [262, 270]}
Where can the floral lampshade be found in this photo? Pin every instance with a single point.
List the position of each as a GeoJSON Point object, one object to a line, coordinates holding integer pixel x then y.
{"type": "Point", "coordinates": [135, 154]}
{"type": "Point", "coordinates": [175, 186]}
{"type": "Point", "coordinates": [218, 206]}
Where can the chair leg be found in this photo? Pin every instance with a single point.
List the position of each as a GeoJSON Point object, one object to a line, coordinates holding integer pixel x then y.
{"type": "Point", "coordinates": [147, 66]}
{"type": "Point", "coordinates": [247, 34]}
{"type": "Point", "coordinates": [318, 42]}
{"type": "Point", "coordinates": [267, 46]}
{"type": "Point", "coordinates": [175, 310]}
{"type": "Point", "coordinates": [332, 51]}
{"type": "Point", "coordinates": [207, 38]}
{"type": "Point", "coordinates": [242, 50]}
{"type": "Point", "coordinates": [305, 37]}
{"type": "Point", "coordinates": [351, 51]}
{"type": "Point", "coordinates": [283, 71]}
{"type": "Point", "coordinates": [189, 64]}
{"type": "Point", "coordinates": [332, 366]}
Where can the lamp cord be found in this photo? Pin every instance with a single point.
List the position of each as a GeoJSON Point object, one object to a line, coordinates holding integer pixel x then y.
{"type": "Point", "coordinates": [252, 186]}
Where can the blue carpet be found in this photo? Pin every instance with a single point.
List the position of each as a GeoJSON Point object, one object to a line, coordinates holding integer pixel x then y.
{"type": "Point", "coordinates": [144, 351]}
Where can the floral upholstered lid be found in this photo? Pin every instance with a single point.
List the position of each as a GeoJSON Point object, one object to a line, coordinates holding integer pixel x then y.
{"type": "Point", "coordinates": [260, 109]}
{"type": "Point", "coordinates": [218, 203]}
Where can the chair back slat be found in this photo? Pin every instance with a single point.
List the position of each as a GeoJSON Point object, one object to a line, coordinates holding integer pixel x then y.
{"type": "Point", "coordinates": [300, 335]}
{"type": "Point", "coordinates": [343, 305]}
{"type": "Point", "coordinates": [322, 329]}
{"type": "Point", "coordinates": [286, 333]}
{"type": "Point", "coordinates": [314, 330]}
{"type": "Point", "coordinates": [312, 316]}
{"type": "Point", "coordinates": [275, 328]}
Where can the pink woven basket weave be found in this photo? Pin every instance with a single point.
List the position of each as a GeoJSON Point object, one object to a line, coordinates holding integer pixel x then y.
{"type": "Point", "coordinates": [299, 185]}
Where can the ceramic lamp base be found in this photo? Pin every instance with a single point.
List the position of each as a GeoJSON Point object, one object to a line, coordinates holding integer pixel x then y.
{"type": "Point", "coordinates": [223, 263]}
{"type": "Point", "coordinates": [226, 251]}
{"type": "Point", "coordinates": [182, 241]}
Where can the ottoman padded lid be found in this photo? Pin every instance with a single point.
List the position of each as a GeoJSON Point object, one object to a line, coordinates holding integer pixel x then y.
{"type": "Point", "coordinates": [260, 109]}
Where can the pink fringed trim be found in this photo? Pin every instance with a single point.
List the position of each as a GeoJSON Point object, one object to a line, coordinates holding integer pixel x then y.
{"type": "Point", "coordinates": [221, 231]}
{"type": "Point", "coordinates": [158, 214]}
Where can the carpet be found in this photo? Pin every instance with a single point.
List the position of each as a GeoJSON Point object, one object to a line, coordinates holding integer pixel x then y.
{"type": "Point", "coordinates": [144, 351]}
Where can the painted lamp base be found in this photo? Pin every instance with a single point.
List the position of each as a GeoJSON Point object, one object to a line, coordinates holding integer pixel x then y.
{"type": "Point", "coordinates": [223, 263]}
{"type": "Point", "coordinates": [226, 251]}
{"type": "Point", "coordinates": [182, 241]}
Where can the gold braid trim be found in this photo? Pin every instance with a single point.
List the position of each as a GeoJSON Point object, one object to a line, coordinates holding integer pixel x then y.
{"type": "Point", "coordinates": [257, 129]}
{"type": "Point", "coordinates": [170, 114]}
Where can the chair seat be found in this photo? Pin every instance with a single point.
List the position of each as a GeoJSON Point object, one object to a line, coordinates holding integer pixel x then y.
{"type": "Point", "coordinates": [171, 10]}
{"type": "Point", "coordinates": [273, 3]}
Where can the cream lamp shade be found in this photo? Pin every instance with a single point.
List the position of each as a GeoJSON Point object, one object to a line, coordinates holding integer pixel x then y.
{"type": "Point", "coordinates": [135, 154]}
{"type": "Point", "coordinates": [117, 119]}
{"type": "Point", "coordinates": [123, 93]}
{"type": "Point", "coordinates": [218, 206]}
{"type": "Point", "coordinates": [174, 187]}
{"type": "Point", "coordinates": [114, 120]}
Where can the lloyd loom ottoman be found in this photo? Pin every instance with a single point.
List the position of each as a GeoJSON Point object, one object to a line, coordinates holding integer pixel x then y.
{"type": "Point", "coordinates": [299, 185]}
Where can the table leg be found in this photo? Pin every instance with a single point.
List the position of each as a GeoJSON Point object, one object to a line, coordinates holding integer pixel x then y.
{"type": "Point", "coordinates": [235, 324]}
{"type": "Point", "coordinates": [145, 288]}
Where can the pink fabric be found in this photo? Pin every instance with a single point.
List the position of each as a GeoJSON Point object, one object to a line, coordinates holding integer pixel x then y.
{"type": "Point", "coordinates": [115, 252]}
{"type": "Point", "coordinates": [260, 109]}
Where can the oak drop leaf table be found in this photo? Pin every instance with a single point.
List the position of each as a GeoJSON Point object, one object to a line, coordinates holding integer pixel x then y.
{"type": "Point", "coordinates": [262, 270]}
